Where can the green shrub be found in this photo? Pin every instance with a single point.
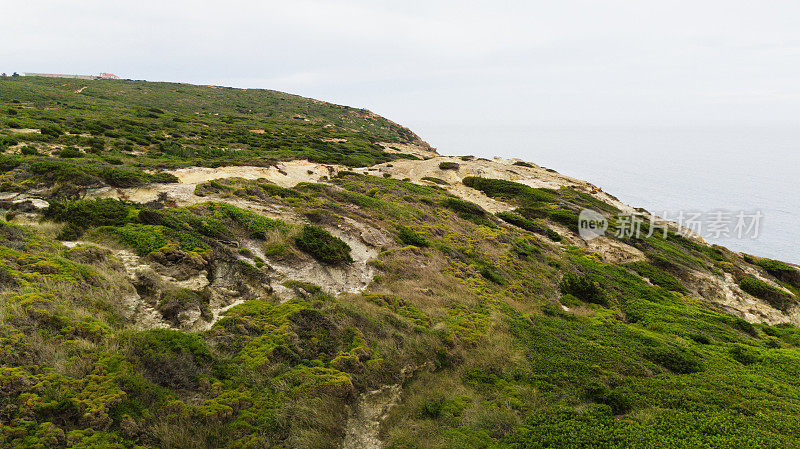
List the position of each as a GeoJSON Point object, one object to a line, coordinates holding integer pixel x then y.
{"type": "Point", "coordinates": [521, 222]}
{"type": "Point", "coordinates": [657, 276]}
{"type": "Point", "coordinates": [700, 338]}
{"type": "Point", "coordinates": [553, 235]}
{"type": "Point", "coordinates": [677, 360]}
{"type": "Point", "coordinates": [276, 190]}
{"type": "Point", "coordinates": [448, 166]}
{"type": "Point", "coordinates": [566, 218]}
{"type": "Point", "coordinates": [525, 249]}
{"type": "Point", "coordinates": [172, 358]}
{"type": "Point", "coordinates": [529, 225]}
{"type": "Point", "coordinates": [70, 232]}
{"type": "Point", "coordinates": [774, 296]}
{"type": "Point", "coordinates": [89, 213]}
{"type": "Point", "coordinates": [323, 246]}
{"type": "Point", "coordinates": [441, 406]}
{"type": "Point", "coordinates": [96, 145]}
{"type": "Point", "coordinates": [435, 180]}
{"type": "Point", "coordinates": [619, 399]}
{"type": "Point", "coordinates": [746, 355]}
{"type": "Point", "coordinates": [500, 188]}
{"type": "Point", "coordinates": [121, 177]}
{"type": "Point", "coordinates": [69, 153]}
{"type": "Point", "coordinates": [175, 301]}
{"type": "Point", "coordinates": [523, 164]}
{"type": "Point", "coordinates": [258, 226]}
{"type": "Point", "coordinates": [145, 239]}
{"type": "Point", "coordinates": [490, 273]}
{"type": "Point", "coordinates": [582, 288]}
{"type": "Point", "coordinates": [781, 271]}
{"type": "Point", "coordinates": [51, 130]}
{"type": "Point", "coordinates": [29, 150]}
{"type": "Point", "coordinates": [409, 236]}
{"type": "Point", "coordinates": [6, 141]}
{"type": "Point", "coordinates": [464, 208]}
{"type": "Point", "coordinates": [532, 212]}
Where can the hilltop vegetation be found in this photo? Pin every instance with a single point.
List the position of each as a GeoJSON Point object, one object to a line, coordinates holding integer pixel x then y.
{"type": "Point", "coordinates": [147, 124]}
{"type": "Point", "coordinates": [497, 329]}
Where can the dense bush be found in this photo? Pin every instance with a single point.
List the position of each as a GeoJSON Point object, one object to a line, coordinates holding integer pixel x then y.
{"type": "Point", "coordinates": [745, 355]}
{"type": "Point", "coordinates": [409, 236]}
{"type": "Point", "coordinates": [85, 174]}
{"type": "Point", "coordinates": [448, 165]}
{"type": "Point", "coordinates": [781, 271]}
{"type": "Point", "coordinates": [490, 273]}
{"type": "Point", "coordinates": [566, 218]}
{"type": "Point", "coordinates": [324, 247]}
{"type": "Point", "coordinates": [500, 188]}
{"type": "Point", "coordinates": [463, 207]}
{"type": "Point", "coordinates": [29, 150]}
{"type": "Point", "coordinates": [435, 180]}
{"type": "Point", "coordinates": [582, 288]}
{"type": "Point", "coordinates": [529, 225]}
{"type": "Point", "coordinates": [677, 360]}
{"type": "Point", "coordinates": [521, 222]}
{"type": "Point", "coordinates": [618, 399]}
{"type": "Point", "coordinates": [172, 358]}
{"type": "Point", "coordinates": [6, 141]}
{"type": "Point", "coordinates": [657, 276]}
{"type": "Point", "coordinates": [774, 296]}
{"type": "Point", "coordinates": [69, 153]}
{"type": "Point", "coordinates": [89, 213]}
{"type": "Point", "coordinates": [532, 212]}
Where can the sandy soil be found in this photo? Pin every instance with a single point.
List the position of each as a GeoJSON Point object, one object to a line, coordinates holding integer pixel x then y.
{"type": "Point", "coordinates": [357, 276]}
{"type": "Point", "coordinates": [285, 174]}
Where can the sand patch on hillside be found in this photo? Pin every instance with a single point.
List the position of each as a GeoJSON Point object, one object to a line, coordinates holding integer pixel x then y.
{"type": "Point", "coordinates": [285, 174]}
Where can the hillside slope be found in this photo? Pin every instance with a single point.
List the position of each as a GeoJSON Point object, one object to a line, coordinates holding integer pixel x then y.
{"type": "Point", "coordinates": [183, 283]}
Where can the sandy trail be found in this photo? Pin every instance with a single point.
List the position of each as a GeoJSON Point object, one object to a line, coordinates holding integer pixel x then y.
{"type": "Point", "coordinates": [284, 174]}
{"type": "Point", "coordinates": [365, 417]}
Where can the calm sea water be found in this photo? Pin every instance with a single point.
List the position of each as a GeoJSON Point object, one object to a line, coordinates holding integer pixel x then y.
{"type": "Point", "coordinates": [701, 169]}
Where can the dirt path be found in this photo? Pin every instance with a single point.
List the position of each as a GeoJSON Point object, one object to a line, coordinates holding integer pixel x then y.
{"type": "Point", "coordinates": [365, 417]}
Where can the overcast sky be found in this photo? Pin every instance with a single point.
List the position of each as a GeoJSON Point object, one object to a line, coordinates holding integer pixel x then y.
{"type": "Point", "coordinates": [422, 63]}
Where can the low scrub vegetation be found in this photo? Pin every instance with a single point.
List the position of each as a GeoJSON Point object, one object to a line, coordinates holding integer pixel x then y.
{"type": "Point", "coordinates": [409, 236]}
{"type": "Point", "coordinates": [449, 165]}
{"type": "Point", "coordinates": [500, 188]}
{"type": "Point", "coordinates": [657, 276]}
{"type": "Point", "coordinates": [495, 336]}
{"type": "Point", "coordinates": [582, 288]}
{"type": "Point", "coordinates": [773, 295]}
{"type": "Point", "coordinates": [324, 247]}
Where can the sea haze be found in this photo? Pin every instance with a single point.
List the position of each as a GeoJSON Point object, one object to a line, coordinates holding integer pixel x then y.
{"type": "Point", "coordinates": [701, 169]}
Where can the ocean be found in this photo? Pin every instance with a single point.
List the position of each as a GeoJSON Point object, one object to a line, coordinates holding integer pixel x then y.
{"type": "Point", "coordinates": [716, 171]}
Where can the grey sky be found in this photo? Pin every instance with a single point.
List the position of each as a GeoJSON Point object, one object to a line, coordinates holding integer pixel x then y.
{"type": "Point", "coordinates": [448, 61]}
